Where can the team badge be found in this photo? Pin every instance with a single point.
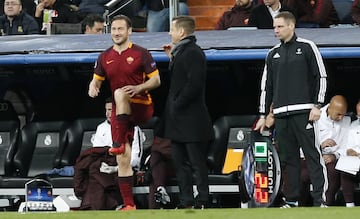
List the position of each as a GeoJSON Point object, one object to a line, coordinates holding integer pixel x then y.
{"type": "Point", "coordinates": [130, 60]}
{"type": "Point", "coordinates": [47, 140]}
{"type": "Point", "coordinates": [20, 29]}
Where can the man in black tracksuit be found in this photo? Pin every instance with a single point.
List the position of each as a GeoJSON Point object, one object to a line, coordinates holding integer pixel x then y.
{"type": "Point", "coordinates": [294, 82]}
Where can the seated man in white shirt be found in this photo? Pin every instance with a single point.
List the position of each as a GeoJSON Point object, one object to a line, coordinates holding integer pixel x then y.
{"type": "Point", "coordinates": [353, 149]}
{"type": "Point", "coordinates": [103, 131]}
{"type": "Point", "coordinates": [353, 144]}
{"type": "Point", "coordinates": [331, 132]}
{"type": "Point", "coordinates": [102, 137]}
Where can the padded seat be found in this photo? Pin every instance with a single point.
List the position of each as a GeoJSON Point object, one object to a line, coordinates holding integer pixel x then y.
{"type": "Point", "coordinates": [14, 182]}
{"type": "Point", "coordinates": [148, 129]}
{"type": "Point", "coordinates": [224, 179]}
{"type": "Point", "coordinates": [226, 131]}
{"type": "Point", "coordinates": [79, 135]}
{"type": "Point", "coordinates": [9, 134]}
{"type": "Point", "coordinates": [40, 148]}
{"type": "Point", "coordinates": [62, 181]}
{"type": "Point", "coordinates": [230, 132]}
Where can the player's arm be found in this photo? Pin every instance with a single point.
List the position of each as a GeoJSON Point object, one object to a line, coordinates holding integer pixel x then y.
{"type": "Point", "coordinates": [152, 83]}
{"type": "Point", "coordinates": [94, 86]}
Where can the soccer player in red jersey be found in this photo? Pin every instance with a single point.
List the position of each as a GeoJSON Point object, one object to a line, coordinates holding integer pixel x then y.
{"type": "Point", "coordinates": [131, 72]}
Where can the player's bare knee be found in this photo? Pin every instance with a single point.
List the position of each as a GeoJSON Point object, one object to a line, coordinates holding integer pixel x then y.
{"type": "Point", "coordinates": [123, 160]}
{"type": "Point", "coordinates": [120, 96]}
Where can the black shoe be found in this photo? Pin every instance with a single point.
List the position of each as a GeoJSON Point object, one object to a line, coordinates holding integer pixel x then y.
{"type": "Point", "coordinates": [182, 206]}
{"type": "Point", "coordinates": [199, 206]}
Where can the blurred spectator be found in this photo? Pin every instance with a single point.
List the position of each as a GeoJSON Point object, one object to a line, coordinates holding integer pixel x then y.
{"type": "Point", "coordinates": [158, 14]}
{"type": "Point", "coordinates": [238, 16]}
{"type": "Point", "coordinates": [86, 7]}
{"type": "Point", "coordinates": [353, 149]}
{"type": "Point", "coordinates": [59, 11]}
{"type": "Point", "coordinates": [355, 12]}
{"type": "Point", "coordinates": [314, 13]}
{"type": "Point", "coordinates": [93, 24]}
{"type": "Point", "coordinates": [15, 21]}
{"type": "Point", "coordinates": [262, 16]}
{"type": "Point", "coordinates": [27, 5]}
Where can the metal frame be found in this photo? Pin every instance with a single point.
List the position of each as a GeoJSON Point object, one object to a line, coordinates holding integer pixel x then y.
{"type": "Point", "coordinates": [137, 190]}
{"type": "Point", "coordinates": [107, 14]}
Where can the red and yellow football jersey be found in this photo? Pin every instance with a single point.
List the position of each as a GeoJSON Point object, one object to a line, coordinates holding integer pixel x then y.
{"type": "Point", "coordinates": [130, 67]}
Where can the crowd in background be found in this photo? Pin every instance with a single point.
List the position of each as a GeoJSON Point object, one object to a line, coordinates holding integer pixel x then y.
{"type": "Point", "coordinates": [308, 13]}
{"type": "Point", "coordinates": [21, 17]}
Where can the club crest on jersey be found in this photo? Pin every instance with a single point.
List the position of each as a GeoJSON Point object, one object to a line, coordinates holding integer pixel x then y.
{"type": "Point", "coordinates": [130, 60]}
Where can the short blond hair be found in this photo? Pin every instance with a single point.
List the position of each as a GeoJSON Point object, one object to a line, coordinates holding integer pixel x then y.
{"type": "Point", "coordinates": [287, 16]}
{"type": "Point", "coordinates": [186, 22]}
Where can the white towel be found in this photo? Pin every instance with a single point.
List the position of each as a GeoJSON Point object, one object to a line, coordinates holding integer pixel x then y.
{"type": "Point", "coordinates": [137, 147]}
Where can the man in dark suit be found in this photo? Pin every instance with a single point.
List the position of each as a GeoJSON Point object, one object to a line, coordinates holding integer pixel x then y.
{"type": "Point", "coordinates": [263, 15]}
{"type": "Point", "coordinates": [186, 119]}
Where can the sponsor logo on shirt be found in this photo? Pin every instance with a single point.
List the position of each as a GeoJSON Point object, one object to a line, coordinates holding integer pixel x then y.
{"type": "Point", "coordinates": [109, 62]}
{"type": "Point", "coordinates": [276, 56]}
{"type": "Point", "coordinates": [309, 126]}
{"type": "Point", "coordinates": [298, 51]}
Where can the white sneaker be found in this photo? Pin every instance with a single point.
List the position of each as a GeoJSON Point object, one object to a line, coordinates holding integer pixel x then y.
{"type": "Point", "coordinates": [161, 195]}
{"type": "Point", "coordinates": [287, 204]}
{"type": "Point", "coordinates": [323, 206]}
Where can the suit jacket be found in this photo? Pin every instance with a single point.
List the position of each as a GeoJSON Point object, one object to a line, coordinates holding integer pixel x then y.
{"type": "Point", "coordinates": [98, 191]}
{"type": "Point", "coordinates": [261, 18]}
{"type": "Point", "coordinates": [186, 115]}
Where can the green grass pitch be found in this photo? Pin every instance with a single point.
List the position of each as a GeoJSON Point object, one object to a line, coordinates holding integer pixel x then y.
{"type": "Point", "coordinates": [219, 213]}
